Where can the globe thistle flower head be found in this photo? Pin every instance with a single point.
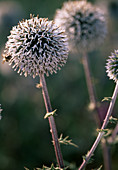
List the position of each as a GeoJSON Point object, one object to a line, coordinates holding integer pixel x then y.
{"type": "Point", "coordinates": [112, 66]}
{"type": "Point", "coordinates": [36, 45]}
{"type": "Point", "coordinates": [85, 24]}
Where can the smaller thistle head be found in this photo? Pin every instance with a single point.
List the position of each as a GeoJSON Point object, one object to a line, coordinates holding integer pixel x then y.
{"type": "Point", "coordinates": [36, 46]}
{"type": "Point", "coordinates": [112, 66]}
{"type": "Point", "coordinates": [85, 24]}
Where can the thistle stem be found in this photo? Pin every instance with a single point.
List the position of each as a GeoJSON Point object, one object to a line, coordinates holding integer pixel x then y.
{"type": "Point", "coordinates": [93, 101]}
{"type": "Point", "coordinates": [90, 86]}
{"type": "Point", "coordinates": [88, 78]}
{"type": "Point", "coordinates": [52, 124]}
{"type": "Point", "coordinates": [100, 135]}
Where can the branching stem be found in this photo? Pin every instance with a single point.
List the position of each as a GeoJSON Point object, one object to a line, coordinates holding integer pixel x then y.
{"type": "Point", "coordinates": [52, 124]}
{"type": "Point", "coordinates": [100, 135]}
{"type": "Point", "coordinates": [93, 102]}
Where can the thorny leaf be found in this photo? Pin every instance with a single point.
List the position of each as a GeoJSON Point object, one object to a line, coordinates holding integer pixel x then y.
{"type": "Point", "coordinates": [85, 158]}
{"type": "Point", "coordinates": [113, 120]}
{"type": "Point", "coordinates": [106, 131]}
{"type": "Point", "coordinates": [66, 141]}
{"type": "Point", "coordinates": [107, 99]}
{"type": "Point", "coordinates": [50, 114]}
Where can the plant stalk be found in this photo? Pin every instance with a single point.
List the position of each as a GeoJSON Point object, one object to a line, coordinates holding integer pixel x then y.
{"type": "Point", "coordinates": [93, 101]}
{"type": "Point", "coordinates": [52, 124]}
{"type": "Point", "coordinates": [90, 87]}
{"type": "Point", "coordinates": [88, 78]}
{"type": "Point", "coordinates": [100, 135]}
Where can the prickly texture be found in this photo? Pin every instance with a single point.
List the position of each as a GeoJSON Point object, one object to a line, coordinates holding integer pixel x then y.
{"type": "Point", "coordinates": [85, 24]}
{"type": "Point", "coordinates": [36, 45]}
{"type": "Point", "coordinates": [112, 66]}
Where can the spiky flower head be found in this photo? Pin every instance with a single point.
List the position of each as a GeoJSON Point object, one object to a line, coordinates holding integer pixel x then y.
{"type": "Point", "coordinates": [112, 66]}
{"type": "Point", "coordinates": [85, 24]}
{"type": "Point", "coordinates": [36, 45]}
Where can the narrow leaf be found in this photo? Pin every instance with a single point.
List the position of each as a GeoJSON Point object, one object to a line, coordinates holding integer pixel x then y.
{"type": "Point", "coordinates": [66, 141]}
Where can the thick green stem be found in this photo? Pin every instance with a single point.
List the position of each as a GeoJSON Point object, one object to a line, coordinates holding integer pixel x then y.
{"type": "Point", "coordinates": [101, 134]}
{"type": "Point", "coordinates": [52, 124]}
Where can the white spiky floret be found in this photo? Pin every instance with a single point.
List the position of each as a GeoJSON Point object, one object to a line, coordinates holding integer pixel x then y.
{"type": "Point", "coordinates": [112, 66]}
{"type": "Point", "coordinates": [36, 45]}
{"type": "Point", "coordinates": [85, 24]}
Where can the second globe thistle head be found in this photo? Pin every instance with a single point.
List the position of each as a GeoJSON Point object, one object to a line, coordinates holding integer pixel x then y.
{"type": "Point", "coordinates": [85, 24]}
{"type": "Point", "coordinates": [112, 66]}
{"type": "Point", "coordinates": [36, 46]}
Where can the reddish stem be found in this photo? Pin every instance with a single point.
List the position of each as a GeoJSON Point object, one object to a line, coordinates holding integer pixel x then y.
{"type": "Point", "coordinates": [93, 101]}
{"type": "Point", "coordinates": [101, 134]}
{"type": "Point", "coordinates": [52, 124]}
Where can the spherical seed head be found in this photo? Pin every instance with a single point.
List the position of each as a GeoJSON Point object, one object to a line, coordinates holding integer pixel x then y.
{"type": "Point", "coordinates": [85, 24]}
{"type": "Point", "coordinates": [36, 45]}
{"type": "Point", "coordinates": [112, 66]}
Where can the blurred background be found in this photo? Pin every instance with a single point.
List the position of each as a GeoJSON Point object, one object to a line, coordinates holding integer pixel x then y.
{"type": "Point", "coordinates": [25, 140]}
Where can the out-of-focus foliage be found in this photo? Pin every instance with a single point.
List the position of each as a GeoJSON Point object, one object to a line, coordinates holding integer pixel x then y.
{"type": "Point", "coordinates": [25, 140]}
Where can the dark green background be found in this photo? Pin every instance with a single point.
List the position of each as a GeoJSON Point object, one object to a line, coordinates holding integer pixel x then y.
{"type": "Point", "coordinates": [24, 134]}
